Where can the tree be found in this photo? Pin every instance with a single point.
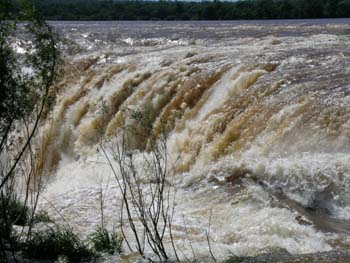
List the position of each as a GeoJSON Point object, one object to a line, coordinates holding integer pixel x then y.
{"type": "Point", "coordinates": [343, 8]}
{"type": "Point", "coordinates": [330, 8]}
{"type": "Point", "coordinates": [27, 74]}
{"type": "Point", "coordinates": [148, 194]}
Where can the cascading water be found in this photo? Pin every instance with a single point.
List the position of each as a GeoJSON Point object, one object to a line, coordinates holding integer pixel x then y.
{"type": "Point", "coordinates": [258, 117]}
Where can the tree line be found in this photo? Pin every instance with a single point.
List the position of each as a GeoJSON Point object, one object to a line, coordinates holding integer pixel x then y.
{"type": "Point", "coordinates": [174, 10]}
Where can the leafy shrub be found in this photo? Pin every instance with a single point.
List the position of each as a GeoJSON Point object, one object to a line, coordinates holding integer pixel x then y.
{"type": "Point", "coordinates": [54, 242]}
{"type": "Point", "coordinates": [12, 212]}
{"type": "Point", "coordinates": [15, 211]}
{"type": "Point", "coordinates": [41, 217]}
{"type": "Point", "coordinates": [104, 241]}
{"type": "Point", "coordinates": [235, 259]}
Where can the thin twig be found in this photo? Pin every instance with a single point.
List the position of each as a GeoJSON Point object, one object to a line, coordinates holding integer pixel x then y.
{"type": "Point", "coordinates": [188, 237]}
{"type": "Point", "coordinates": [208, 236]}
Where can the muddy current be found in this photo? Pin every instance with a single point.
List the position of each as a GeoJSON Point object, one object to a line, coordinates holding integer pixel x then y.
{"type": "Point", "coordinates": [257, 115]}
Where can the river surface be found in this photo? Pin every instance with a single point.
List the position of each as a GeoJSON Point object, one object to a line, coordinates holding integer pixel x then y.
{"type": "Point", "coordinates": [258, 121]}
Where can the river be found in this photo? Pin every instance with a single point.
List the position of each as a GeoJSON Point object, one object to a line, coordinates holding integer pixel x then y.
{"type": "Point", "coordinates": [257, 115]}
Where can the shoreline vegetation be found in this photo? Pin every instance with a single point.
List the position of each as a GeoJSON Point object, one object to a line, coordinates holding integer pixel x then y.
{"type": "Point", "coordinates": [107, 10]}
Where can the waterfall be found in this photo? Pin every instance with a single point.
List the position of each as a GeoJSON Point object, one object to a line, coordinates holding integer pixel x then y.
{"type": "Point", "coordinates": [258, 126]}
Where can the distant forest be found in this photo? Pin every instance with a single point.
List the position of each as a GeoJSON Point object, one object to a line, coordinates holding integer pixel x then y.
{"type": "Point", "coordinates": [173, 10]}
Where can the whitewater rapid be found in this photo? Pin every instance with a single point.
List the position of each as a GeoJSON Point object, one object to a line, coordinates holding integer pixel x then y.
{"type": "Point", "coordinates": [258, 117]}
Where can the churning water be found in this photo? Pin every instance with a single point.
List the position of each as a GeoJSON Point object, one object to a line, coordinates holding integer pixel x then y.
{"type": "Point", "coordinates": [258, 115]}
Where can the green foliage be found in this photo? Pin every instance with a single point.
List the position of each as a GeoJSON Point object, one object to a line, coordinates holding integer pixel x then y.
{"type": "Point", "coordinates": [200, 10]}
{"type": "Point", "coordinates": [14, 96]}
{"type": "Point", "coordinates": [16, 212]}
{"type": "Point", "coordinates": [12, 212]}
{"type": "Point", "coordinates": [22, 91]}
{"type": "Point", "coordinates": [54, 242]}
{"type": "Point", "coordinates": [104, 241]}
{"type": "Point", "coordinates": [41, 217]}
{"type": "Point", "coordinates": [235, 260]}
{"type": "Point", "coordinates": [26, 77]}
